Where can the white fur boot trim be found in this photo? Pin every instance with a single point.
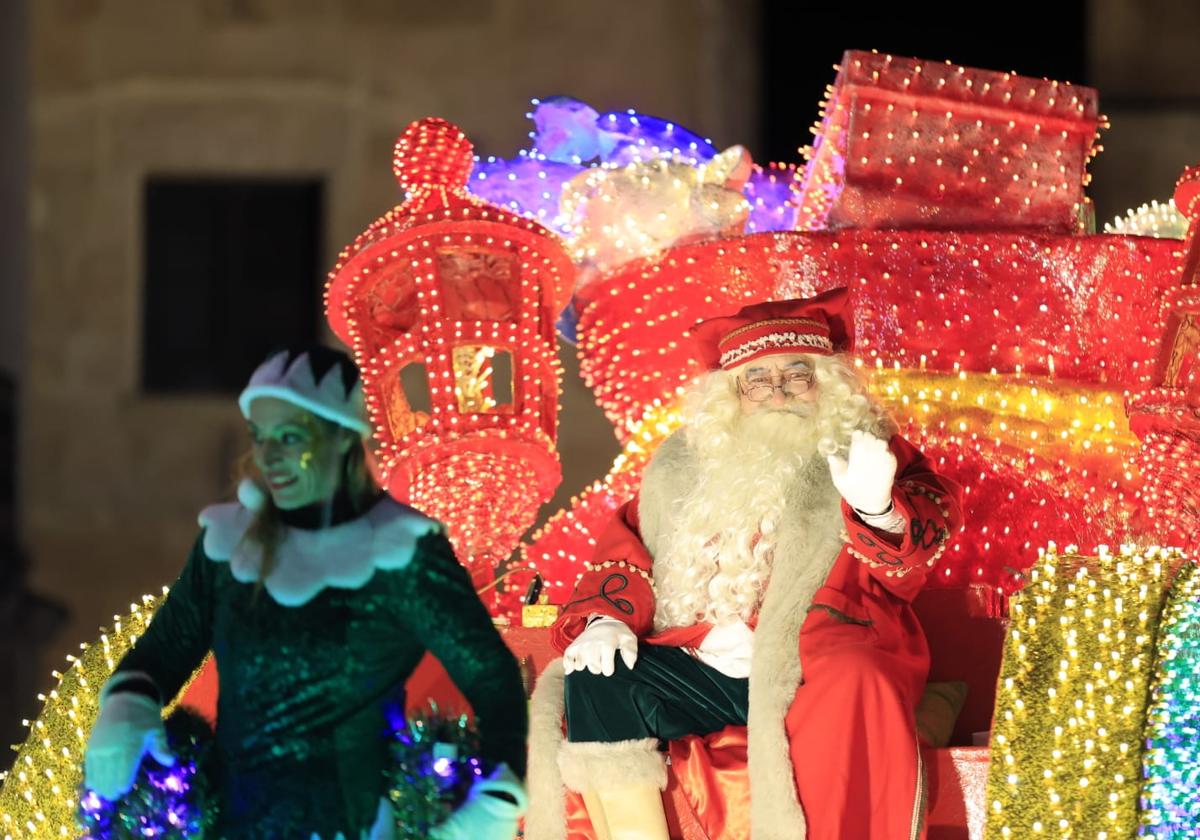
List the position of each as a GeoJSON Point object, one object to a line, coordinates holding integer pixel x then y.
{"type": "Point", "coordinates": [547, 815]}
{"type": "Point", "coordinates": [603, 766]}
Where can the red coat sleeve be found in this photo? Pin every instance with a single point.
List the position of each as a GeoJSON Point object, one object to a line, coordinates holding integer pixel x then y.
{"type": "Point", "coordinates": [931, 505]}
{"type": "Point", "coordinates": [615, 583]}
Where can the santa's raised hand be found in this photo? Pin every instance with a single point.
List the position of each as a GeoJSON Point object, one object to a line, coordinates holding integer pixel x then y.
{"type": "Point", "coordinates": [865, 476]}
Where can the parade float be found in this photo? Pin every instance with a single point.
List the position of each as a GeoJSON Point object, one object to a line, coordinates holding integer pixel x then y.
{"type": "Point", "coordinates": [1050, 369]}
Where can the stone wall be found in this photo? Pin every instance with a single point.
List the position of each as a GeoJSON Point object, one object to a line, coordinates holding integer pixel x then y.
{"type": "Point", "coordinates": [112, 478]}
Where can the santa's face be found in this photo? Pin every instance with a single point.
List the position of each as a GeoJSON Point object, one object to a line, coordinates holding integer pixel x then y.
{"type": "Point", "coordinates": [780, 382]}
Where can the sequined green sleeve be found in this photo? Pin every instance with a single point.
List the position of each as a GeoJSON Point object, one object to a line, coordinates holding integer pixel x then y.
{"type": "Point", "coordinates": [443, 611]}
{"type": "Point", "coordinates": [180, 634]}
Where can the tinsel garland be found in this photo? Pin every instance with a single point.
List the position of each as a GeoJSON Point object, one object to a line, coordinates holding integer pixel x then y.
{"type": "Point", "coordinates": [38, 797]}
{"type": "Point", "coordinates": [1071, 705]}
{"type": "Point", "coordinates": [435, 763]}
{"type": "Point", "coordinates": [166, 803]}
{"type": "Point", "coordinates": [1171, 765]}
{"type": "Point", "coordinates": [435, 760]}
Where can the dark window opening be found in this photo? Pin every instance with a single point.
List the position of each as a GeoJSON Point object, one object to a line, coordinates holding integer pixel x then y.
{"type": "Point", "coordinates": [232, 270]}
{"type": "Point", "coordinates": [416, 407]}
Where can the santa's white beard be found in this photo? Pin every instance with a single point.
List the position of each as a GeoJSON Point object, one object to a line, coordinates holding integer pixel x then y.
{"type": "Point", "coordinates": [717, 567]}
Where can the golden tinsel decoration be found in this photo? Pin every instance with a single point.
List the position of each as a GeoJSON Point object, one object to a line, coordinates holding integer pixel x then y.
{"type": "Point", "coordinates": [38, 795]}
{"type": "Point", "coordinates": [1072, 703]}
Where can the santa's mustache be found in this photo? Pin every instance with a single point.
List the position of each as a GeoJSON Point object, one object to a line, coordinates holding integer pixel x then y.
{"type": "Point", "coordinates": [793, 416]}
{"type": "Point", "coordinates": [788, 428]}
{"type": "Point", "coordinates": [796, 409]}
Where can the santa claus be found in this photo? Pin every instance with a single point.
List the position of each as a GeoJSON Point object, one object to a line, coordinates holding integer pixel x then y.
{"type": "Point", "coordinates": [762, 577]}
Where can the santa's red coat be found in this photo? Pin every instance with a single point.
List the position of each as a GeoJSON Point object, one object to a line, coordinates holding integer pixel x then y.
{"type": "Point", "coordinates": [851, 726]}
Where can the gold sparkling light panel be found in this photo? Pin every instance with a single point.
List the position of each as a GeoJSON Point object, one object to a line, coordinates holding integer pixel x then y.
{"type": "Point", "coordinates": [1072, 701]}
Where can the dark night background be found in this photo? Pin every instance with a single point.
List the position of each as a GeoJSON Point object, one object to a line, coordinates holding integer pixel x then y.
{"type": "Point", "coordinates": [1044, 39]}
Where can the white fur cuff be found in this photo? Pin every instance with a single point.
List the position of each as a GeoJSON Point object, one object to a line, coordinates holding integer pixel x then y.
{"type": "Point", "coordinates": [252, 497]}
{"type": "Point", "coordinates": [596, 765]}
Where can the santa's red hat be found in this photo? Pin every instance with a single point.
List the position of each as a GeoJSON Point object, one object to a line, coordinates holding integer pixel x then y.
{"type": "Point", "coordinates": [822, 325]}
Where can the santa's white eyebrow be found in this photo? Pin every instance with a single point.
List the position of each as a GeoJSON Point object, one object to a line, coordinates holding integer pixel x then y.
{"type": "Point", "coordinates": [759, 371]}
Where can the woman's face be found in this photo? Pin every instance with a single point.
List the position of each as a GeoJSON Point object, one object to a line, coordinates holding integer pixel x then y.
{"type": "Point", "coordinates": [299, 455]}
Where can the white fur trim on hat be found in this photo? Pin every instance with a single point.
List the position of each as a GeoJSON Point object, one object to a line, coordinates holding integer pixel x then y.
{"type": "Point", "coordinates": [343, 556]}
{"type": "Point", "coordinates": [783, 342]}
{"type": "Point", "coordinates": [297, 384]}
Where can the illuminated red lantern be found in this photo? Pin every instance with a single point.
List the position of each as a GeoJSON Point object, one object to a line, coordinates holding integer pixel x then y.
{"type": "Point", "coordinates": [448, 304]}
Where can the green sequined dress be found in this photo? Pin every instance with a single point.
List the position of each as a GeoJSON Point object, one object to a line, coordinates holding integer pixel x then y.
{"type": "Point", "coordinates": [311, 663]}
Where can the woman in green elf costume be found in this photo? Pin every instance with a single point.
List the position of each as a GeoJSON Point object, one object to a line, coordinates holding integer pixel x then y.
{"type": "Point", "coordinates": [318, 595]}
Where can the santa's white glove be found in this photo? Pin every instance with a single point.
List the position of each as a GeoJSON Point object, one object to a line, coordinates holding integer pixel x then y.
{"type": "Point", "coordinates": [865, 476]}
{"type": "Point", "coordinates": [485, 816]}
{"type": "Point", "coordinates": [129, 726]}
{"type": "Point", "coordinates": [596, 647]}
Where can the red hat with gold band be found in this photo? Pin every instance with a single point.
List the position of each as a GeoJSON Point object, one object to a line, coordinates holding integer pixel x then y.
{"type": "Point", "coordinates": [822, 325]}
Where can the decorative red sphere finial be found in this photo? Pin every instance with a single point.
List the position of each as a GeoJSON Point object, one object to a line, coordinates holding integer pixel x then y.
{"type": "Point", "coordinates": [1187, 193]}
{"type": "Point", "coordinates": [1187, 202]}
{"type": "Point", "coordinates": [432, 152]}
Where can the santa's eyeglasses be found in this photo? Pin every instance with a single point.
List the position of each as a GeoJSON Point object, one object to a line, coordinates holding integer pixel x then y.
{"type": "Point", "coordinates": [762, 388]}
